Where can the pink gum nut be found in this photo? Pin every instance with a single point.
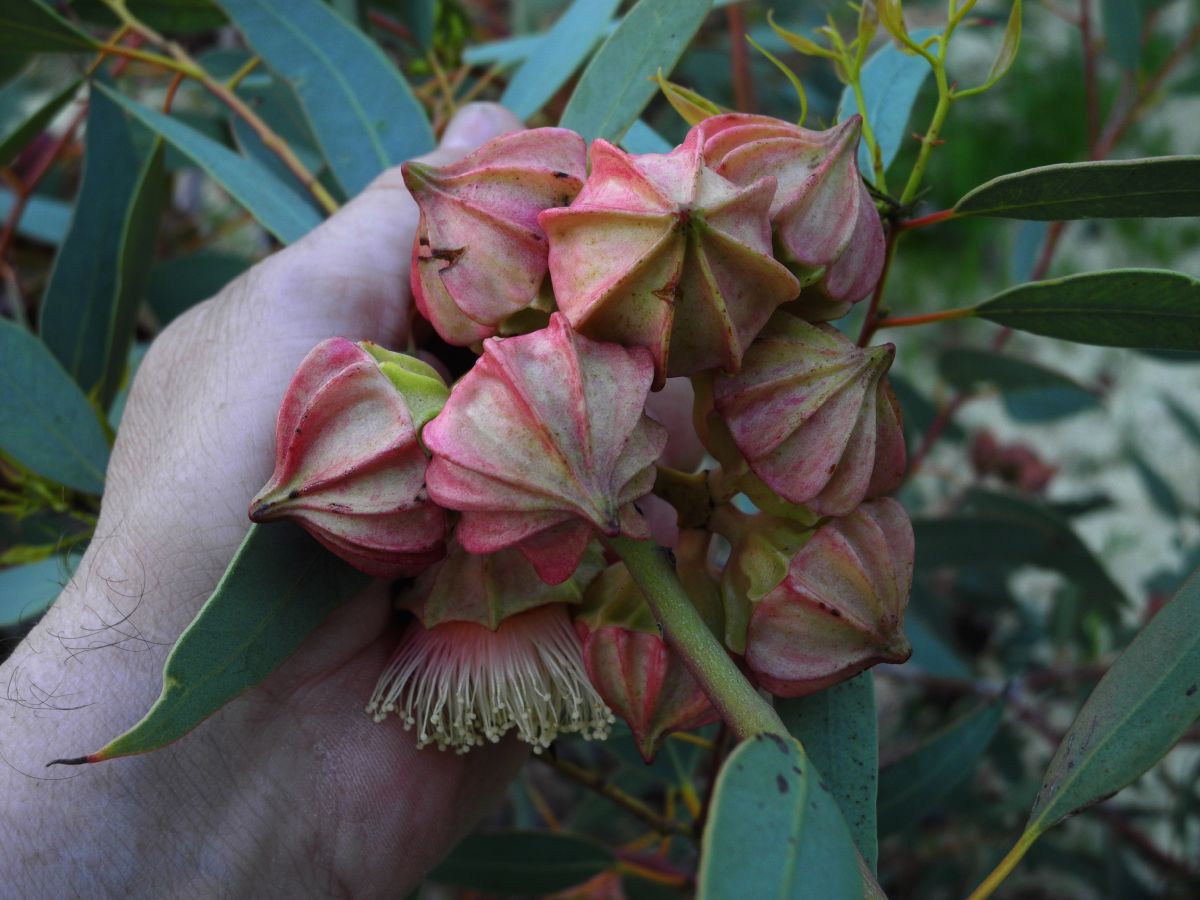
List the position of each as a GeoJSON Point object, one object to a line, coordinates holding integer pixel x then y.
{"type": "Point", "coordinates": [544, 443]}
{"type": "Point", "coordinates": [349, 467]}
{"type": "Point", "coordinates": [814, 416]}
{"type": "Point", "coordinates": [841, 606]}
{"type": "Point", "coordinates": [480, 255]}
{"type": "Point", "coordinates": [661, 252]}
{"type": "Point", "coordinates": [644, 682]}
{"type": "Point", "coordinates": [823, 214]}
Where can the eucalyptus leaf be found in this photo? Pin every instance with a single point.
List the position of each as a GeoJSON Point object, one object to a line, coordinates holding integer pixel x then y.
{"type": "Point", "coordinates": [279, 587]}
{"type": "Point", "coordinates": [641, 138]}
{"type": "Point", "coordinates": [1123, 31]}
{"type": "Point", "coordinates": [616, 85]}
{"type": "Point", "coordinates": [914, 786]}
{"type": "Point", "coordinates": [16, 133]}
{"type": "Point", "coordinates": [774, 830]}
{"type": "Point", "coordinates": [45, 219]}
{"type": "Point", "coordinates": [838, 730]}
{"type": "Point", "coordinates": [1141, 707]}
{"type": "Point", "coordinates": [1156, 187]}
{"type": "Point", "coordinates": [46, 423]}
{"type": "Point", "coordinates": [27, 591]}
{"type": "Point", "coordinates": [1139, 308]}
{"type": "Point", "coordinates": [32, 26]}
{"type": "Point", "coordinates": [90, 306]}
{"type": "Point", "coordinates": [1017, 380]}
{"type": "Point", "coordinates": [563, 49]}
{"type": "Point", "coordinates": [178, 284]}
{"type": "Point", "coordinates": [891, 80]}
{"type": "Point", "coordinates": [522, 862]}
{"type": "Point", "coordinates": [362, 111]}
{"type": "Point", "coordinates": [274, 205]}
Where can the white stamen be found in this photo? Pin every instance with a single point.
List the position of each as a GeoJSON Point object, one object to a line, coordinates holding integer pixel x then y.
{"type": "Point", "coordinates": [460, 683]}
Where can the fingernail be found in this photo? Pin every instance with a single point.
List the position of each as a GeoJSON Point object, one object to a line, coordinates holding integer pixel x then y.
{"type": "Point", "coordinates": [478, 123]}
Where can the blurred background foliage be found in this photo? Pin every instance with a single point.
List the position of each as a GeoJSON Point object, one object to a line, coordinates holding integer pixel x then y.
{"type": "Point", "coordinates": [1056, 487]}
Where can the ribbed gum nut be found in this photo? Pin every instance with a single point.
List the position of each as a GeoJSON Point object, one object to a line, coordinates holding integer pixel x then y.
{"type": "Point", "coordinates": [480, 255]}
{"type": "Point", "coordinates": [840, 609]}
{"type": "Point", "coordinates": [641, 679]}
{"type": "Point", "coordinates": [659, 251]}
{"type": "Point", "coordinates": [757, 564]}
{"type": "Point", "coordinates": [646, 683]}
{"type": "Point", "coordinates": [349, 464]}
{"type": "Point", "coordinates": [544, 444]}
{"type": "Point", "coordinates": [823, 214]}
{"type": "Point", "coordinates": [814, 416]}
{"type": "Point", "coordinates": [488, 588]}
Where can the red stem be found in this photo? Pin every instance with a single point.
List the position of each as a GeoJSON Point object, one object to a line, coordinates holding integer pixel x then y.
{"type": "Point", "coordinates": [923, 221]}
{"type": "Point", "coordinates": [871, 322]}
{"type": "Point", "coordinates": [739, 60]}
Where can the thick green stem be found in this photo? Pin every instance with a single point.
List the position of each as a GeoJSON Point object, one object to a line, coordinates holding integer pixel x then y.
{"type": "Point", "coordinates": [929, 141]}
{"type": "Point", "coordinates": [735, 699]}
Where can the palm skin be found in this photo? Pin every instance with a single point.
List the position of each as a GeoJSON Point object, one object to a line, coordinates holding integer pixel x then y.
{"type": "Point", "coordinates": [292, 790]}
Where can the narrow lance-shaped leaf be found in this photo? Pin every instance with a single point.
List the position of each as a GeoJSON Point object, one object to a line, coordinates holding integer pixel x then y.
{"type": "Point", "coordinates": [1155, 187]}
{"type": "Point", "coordinates": [1005, 56]}
{"type": "Point", "coordinates": [1139, 710]}
{"type": "Point", "coordinates": [29, 26]}
{"type": "Point", "coordinates": [46, 423]}
{"type": "Point", "coordinates": [1123, 31]}
{"type": "Point", "coordinates": [362, 111]}
{"type": "Point", "coordinates": [563, 49]}
{"type": "Point", "coordinates": [912, 787]}
{"type": "Point", "coordinates": [275, 206]}
{"type": "Point", "coordinates": [45, 219]}
{"type": "Point", "coordinates": [89, 298]}
{"type": "Point", "coordinates": [24, 128]}
{"type": "Point", "coordinates": [1142, 308]}
{"type": "Point", "coordinates": [279, 587]}
{"type": "Point", "coordinates": [522, 862]}
{"type": "Point", "coordinates": [891, 80]}
{"type": "Point", "coordinates": [26, 591]}
{"type": "Point", "coordinates": [838, 729]}
{"type": "Point", "coordinates": [1020, 382]}
{"type": "Point", "coordinates": [617, 84]}
{"type": "Point", "coordinates": [774, 830]}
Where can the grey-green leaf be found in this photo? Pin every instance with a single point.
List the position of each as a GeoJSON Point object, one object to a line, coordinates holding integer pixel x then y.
{"type": "Point", "coordinates": [1140, 308]}
{"type": "Point", "coordinates": [19, 130]}
{"type": "Point", "coordinates": [362, 111]}
{"type": "Point", "coordinates": [274, 205]}
{"type": "Point", "coordinates": [1123, 31]}
{"type": "Point", "coordinates": [774, 830]}
{"type": "Point", "coordinates": [279, 587]}
{"type": "Point", "coordinates": [615, 87]}
{"type": "Point", "coordinates": [563, 49]}
{"type": "Point", "coordinates": [99, 277]}
{"type": "Point", "coordinates": [45, 421]}
{"type": "Point", "coordinates": [522, 862]}
{"type": "Point", "coordinates": [26, 591]}
{"type": "Point", "coordinates": [29, 26]}
{"type": "Point", "coordinates": [45, 219]}
{"type": "Point", "coordinates": [912, 787]}
{"type": "Point", "coordinates": [838, 730]}
{"type": "Point", "coordinates": [178, 284]}
{"type": "Point", "coordinates": [1137, 712]}
{"type": "Point", "coordinates": [1017, 379]}
{"type": "Point", "coordinates": [1156, 187]}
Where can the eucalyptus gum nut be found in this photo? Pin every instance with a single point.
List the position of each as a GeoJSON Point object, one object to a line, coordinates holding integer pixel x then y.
{"type": "Point", "coordinates": [646, 683]}
{"type": "Point", "coordinates": [480, 255]}
{"type": "Point", "coordinates": [757, 564]}
{"type": "Point", "coordinates": [814, 416]}
{"type": "Point", "coordinates": [544, 444]}
{"type": "Point", "coordinates": [486, 589]}
{"type": "Point", "coordinates": [661, 252]}
{"type": "Point", "coordinates": [826, 226]}
{"type": "Point", "coordinates": [840, 608]}
{"type": "Point", "coordinates": [349, 464]}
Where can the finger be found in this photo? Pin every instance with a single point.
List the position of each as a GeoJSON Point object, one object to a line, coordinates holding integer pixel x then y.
{"type": "Point", "coordinates": [353, 270]}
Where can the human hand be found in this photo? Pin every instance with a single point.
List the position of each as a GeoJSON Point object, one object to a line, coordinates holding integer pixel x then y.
{"type": "Point", "coordinates": [292, 790]}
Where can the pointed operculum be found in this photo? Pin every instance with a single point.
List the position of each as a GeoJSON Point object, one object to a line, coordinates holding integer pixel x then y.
{"type": "Point", "coordinates": [486, 589]}
{"type": "Point", "coordinates": [814, 416]}
{"type": "Point", "coordinates": [661, 252]}
{"type": "Point", "coordinates": [544, 444]}
{"type": "Point", "coordinates": [824, 218]}
{"type": "Point", "coordinates": [640, 678]}
{"type": "Point", "coordinates": [840, 609]}
{"type": "Point", "coordinates": [349, 464]}
{"type": "Point", "coordinates": [480, 255]}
